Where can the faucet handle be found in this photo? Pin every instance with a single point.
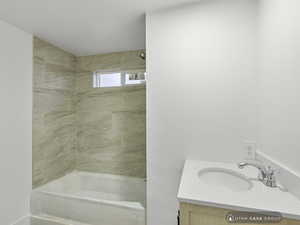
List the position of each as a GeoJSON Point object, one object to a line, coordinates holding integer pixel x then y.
{"type": "Point", "coordinates": [271, 170]}
{"type": "Point", "coordinates": [271, 178]}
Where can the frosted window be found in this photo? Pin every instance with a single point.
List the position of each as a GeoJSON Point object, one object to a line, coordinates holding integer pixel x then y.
{"type": "Point", "coordinates": [107, 80]}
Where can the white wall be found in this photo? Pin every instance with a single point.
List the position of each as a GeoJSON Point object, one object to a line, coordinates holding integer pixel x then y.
{"type": "Point", "coordinates": [280, 80]}
{"type": "Point", "coordinates": [202, 82]}
{"type": "Point", "coordinates": [15, 122]}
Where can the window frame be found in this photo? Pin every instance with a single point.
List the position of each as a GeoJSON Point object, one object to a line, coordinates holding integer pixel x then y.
{"type": "Point", "coordinates": [97, 84]}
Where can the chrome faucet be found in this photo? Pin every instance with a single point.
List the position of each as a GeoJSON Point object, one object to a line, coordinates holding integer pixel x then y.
{"type": "Point", "coordinates": [266, 176]}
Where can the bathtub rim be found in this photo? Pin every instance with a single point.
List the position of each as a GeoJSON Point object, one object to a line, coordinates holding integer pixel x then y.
{"type": "Point", "coordinates": [138, 206]}
{"type": "Point", "coordinates": [107, 175]}
{"type": "Point", "coordinates": [46, 219]}
{"type": "Point", "coordinates": [26, 220]}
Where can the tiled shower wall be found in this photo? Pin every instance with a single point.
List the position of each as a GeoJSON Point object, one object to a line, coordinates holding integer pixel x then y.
{"type": "Point", "coordinates": [111, 122]}
{"type": "Point", "coordinates": [53, 112]}
{"type": "Point", "coordinates": [76, 126]}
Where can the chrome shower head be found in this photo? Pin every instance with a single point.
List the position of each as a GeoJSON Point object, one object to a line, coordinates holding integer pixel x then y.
{"type": "Point", "coordinates": [142, 55]}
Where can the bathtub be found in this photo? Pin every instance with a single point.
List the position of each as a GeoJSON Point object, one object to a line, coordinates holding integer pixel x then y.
{"type": "Point", "coordinates": [91, 198]}
{"type": "Point", "coordinates": [33, 220]}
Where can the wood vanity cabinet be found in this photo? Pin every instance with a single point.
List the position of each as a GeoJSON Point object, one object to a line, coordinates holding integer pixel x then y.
{"type": "Point", "coordinates": [191, 214]}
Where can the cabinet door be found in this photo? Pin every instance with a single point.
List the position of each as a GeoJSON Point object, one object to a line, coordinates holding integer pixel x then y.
{"type": "Point", "coordinates": [201, 215]}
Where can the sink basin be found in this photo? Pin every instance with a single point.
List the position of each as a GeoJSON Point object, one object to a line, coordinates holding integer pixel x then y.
{"type": "Point", "coordinates": [225, 178]}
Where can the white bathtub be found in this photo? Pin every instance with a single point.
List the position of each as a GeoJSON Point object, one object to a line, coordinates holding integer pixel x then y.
{"type": "Point", "coordinates": [30, 220]}
{"type": "Point", "coordinates": [96, 199]}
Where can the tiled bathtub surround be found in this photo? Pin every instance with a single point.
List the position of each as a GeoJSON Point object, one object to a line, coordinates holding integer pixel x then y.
{"type": "Point", "coordinates": [53, 112]}
{"type": "Point", "coordinates": [78, 126]}
{"type": "Point", "coordinates": [111, 122]}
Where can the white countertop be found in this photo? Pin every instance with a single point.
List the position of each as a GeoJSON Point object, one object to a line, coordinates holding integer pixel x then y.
{"type": "Point", "coordinates": [259, 197]}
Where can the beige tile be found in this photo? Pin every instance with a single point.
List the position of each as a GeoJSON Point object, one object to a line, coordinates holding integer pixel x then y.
{"type": "Point", "coordinates": [131, 61]}
{"type": "Point", "coordinates": [54, 130]}
{"type": "Point", "coordinates": [53, 55]}
{"type": "Point", "coordinates": [135, 99]}
{"type": "Point", "coordinates": [111, 61]}
{"type": "Point", "coordinates": [78, 126]}
{"type": "Point", "coordinates": [100, 102]}
{"type": "Point", "coordinates": [111, 122]}
{"type": "Point", "coordinates": [84, 82]}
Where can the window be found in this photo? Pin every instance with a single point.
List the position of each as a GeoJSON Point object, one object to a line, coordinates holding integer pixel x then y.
{"type": "Point", "coordinates": [107, 80]}
{"type": "Point", "coordinates": [102, 79]}
{"type": "Point", "coordinates": [135, 78]}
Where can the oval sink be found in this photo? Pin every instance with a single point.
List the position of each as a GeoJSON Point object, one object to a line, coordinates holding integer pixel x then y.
{"type": "Point", "coordinates": [225, 178]}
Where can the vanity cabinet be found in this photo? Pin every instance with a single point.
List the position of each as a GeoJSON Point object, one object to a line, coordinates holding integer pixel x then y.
{"type": "Point", "coordinates": [191, 214]}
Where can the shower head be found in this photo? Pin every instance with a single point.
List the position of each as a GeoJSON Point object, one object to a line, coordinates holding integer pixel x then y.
{"type": "Point", "coordinates": [142, 55]}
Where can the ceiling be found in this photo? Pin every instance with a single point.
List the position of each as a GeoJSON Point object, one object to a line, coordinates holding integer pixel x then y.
{"type": "Point", "coordinates": [84, 27]}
